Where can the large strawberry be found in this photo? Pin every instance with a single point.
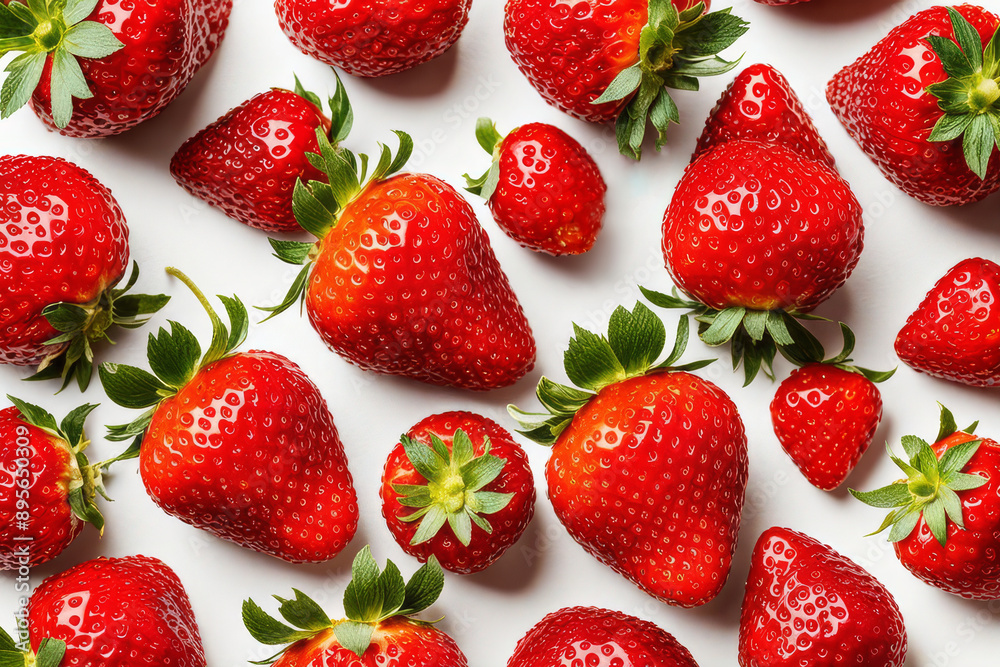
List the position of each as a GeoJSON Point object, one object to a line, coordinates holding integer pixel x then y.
{"type": "Point", "coordinates": [403, 279]}
{"type": "Point", "coordinates": [95, 68]}
{"type": "Point", "coordinates": [945, 519]}
{"type": "Point", "coordinates": [463, 470]}
{"type": "Point", "coordinates": [63, 249]}
{"type": "Point", "coordinates": [955, 331]}
{"type": "Point", "coordinates": [240, 444]}
{"type": "Point", "coordinates": [598, 637]}
{"type": "Point", "coordinates": [603, 60]}
{"type": "Point", "coordinates": [806, 604]}
{"type": "Point", "coordinates": [378, 630]}
{"type": "Point", "coordinates": [649, 462]}
{"type": "Point", "coordinates": [924, 104]}
{"type": "Point", "coordinates": [373, 37]}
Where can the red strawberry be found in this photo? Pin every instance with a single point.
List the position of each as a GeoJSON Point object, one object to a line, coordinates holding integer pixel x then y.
{"type": "Point", "coordinates": [403, 279]}
{"type": "Point", "coordinates": [649, 464]}
{"type": "Point", "coordinates": [806, 604]}
{"type": "Point", "coordinates": [240, 444]}
{"type": "Point", "coordinates": [760, 105]}
{"type": "Point", "coordinates": [122, 62]}
{"type": "Point", "coordinates": [64, 249]}
{"type": "Point", "coordinates": [544, 189]}
{"type": "Point", "coordinates": [955, 331]}
{"type": "Point", "coordinates": [598, 637]}
{"type": "Point", "coordinates": [378, 630]}
{"type": "Point", "coordinates": [371, 37]}
{"type": "Point", "coordinates": [946, 514]}
{"type": "Point", "coordinates": [925, 108]}
{"type": "Point", "coordinates": [461, 469]}
{"type": "Point", "coordinates": [602, 60]}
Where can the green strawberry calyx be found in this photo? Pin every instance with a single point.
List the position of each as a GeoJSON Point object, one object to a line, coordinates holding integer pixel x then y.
{"type": "Point", "coordinates": [635, 340]}
{"type": "Point", "coordinates": [18, 653]}
{"type": "Point", "coordinates": [803, 356]}
{"type": "Point", "coordinates": [970, 96]}
{"type": "Point", "coordinates": [372, 597]}
{"type": "Point", "coordinates": [453, 492]}
{"type": "Point", "coordinates": [491, 141]}
{"type": "Point", "coordinates": [931, 485]}
{"type": "Point", "coordinates": [341, 112]}
{"type": "Point", "coordinates": [42, 29]}
{"type": "Point", "coordinates": [675, 48]}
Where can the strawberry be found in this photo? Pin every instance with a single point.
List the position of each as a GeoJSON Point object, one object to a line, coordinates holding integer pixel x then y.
{"type": "Point", "coordinates": [945, 523]}
{"type": "Point", "coordinates": [544, 189]}
{"type": "Point", "coordinates": [64, 249]}
{"type": "Point", "coordinates": [240, 444]}
{"type": "Point", "coordinates": [403, 279]}
{"type": "Point", "coordinates": [372, 38]}
{"type": "Point", "coordinates": [109, 612]}
{"type": "Point", "coordinates": [955, 331]}
{"type": "Point", "coordinates": [604, 60]}
{"type": "Point", "coordinates": [806, 604]}
{"type": "Point", "coordinates": [464, 470]}
{"type": "Point", "coordinates": [247, 162]}
{"type": "Point", "coordinates": [96, 68]}
{"type": "Point", "coordinates": [649, 462]}
{"type": "Point", "coordinates": [598, 637]}
{"type": "Point", "coordinates": [378, 629]}
{"type": "Point", "coordinates": [924, 104]}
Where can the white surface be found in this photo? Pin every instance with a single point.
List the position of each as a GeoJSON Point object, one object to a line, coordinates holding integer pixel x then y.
{"type": "Point", "coordinates": [908, 247]}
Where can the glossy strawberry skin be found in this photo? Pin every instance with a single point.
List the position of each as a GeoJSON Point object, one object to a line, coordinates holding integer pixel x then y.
{"type": "Point", "coordinates": [248, 451]}
{"type": "Point", "coordinates": [246, 163]}
{"type": "Point", "coordinates": [117, 612]}
{"type": "Point", "coordinates": [373, 38]}
{"type": "Point", "coordinates": [62, 238]}
{"type": "Point", "coordinates": [592, 636]}
{"type": "Point", "coordinates": [882, 101]}
{"type": "Point", "coordinates": [807, 605]}
{"type": "Point", "coordinates": [508, 524]}
{"type": "Point", "coordinates": [954, 333]}
{"type": "Point", "coordinates": [759, 226]}
{"type": "Point", "coordinates": [649, 478]}
{"type": "Point", "coordinates": [825, 419]}
{"type": "Point", "coordinates": [411, 245]}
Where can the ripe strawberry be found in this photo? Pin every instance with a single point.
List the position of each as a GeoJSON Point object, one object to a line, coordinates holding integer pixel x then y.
{"type": "Point", "coordinates": [649, 464]}
{"type": "Point", "coordinates": [955, 331]}
{"type": "Point", "coordinates": [909, 100]}
{"type": "Point", "coordinates": [603, 60]}
{"type": "Point", "coordinates": [946, 514]}
{"type": "Point", "coordinates": [64, 249]}
{"type": "Point", "coordinates": [461, 469]}
{"type": "Point", "coordinates": [598, 637]}
{"type": "Point", "coordinates": [806, 604]}
{"type": "Point", "coordinates": [240, 444]}
{"type": "Point", "coordinates": [403, 279]}
{"type": "Point", "coordinates": [544, 189]}
{"type": "Point", "coordinates": [378, 629]}
{"type": "Point", "coordinates": [122, 63]}
{"type": "Point", "coordinates": [370, 37]}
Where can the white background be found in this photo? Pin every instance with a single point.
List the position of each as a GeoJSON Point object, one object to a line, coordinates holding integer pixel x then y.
{"type": "Point", "coordinates": [908, 247]}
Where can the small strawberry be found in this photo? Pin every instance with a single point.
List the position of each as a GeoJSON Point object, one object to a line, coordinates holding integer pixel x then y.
{"type": "Point", "coordinates": [649, 462]}
{"type": "Point", "coordinates": [600, 60]}
{"type": "Point", "coordinates": [403, 279]}
{"type": "Point", "coordinates": [806, 604]}
{"type": "Point", "coordinates": [371, 37]}
{"type": "Point", "coordinates": [598, 637]}
{"type": "Point", "coordinates": [924, 104]}
{"type": "Point", "coordinates": [64, 250]}
{"type": "Point", "coordinates": [946, 514]}
{"type": "Point", "coordinates": [544, 189]}
{"type": "Point", "coordinates": [240, 444]}
{"type": "Point", "coordinates": [464, 470]}
{"type": "Point", "coordinates": [378, 630]}
{"type": "Point", "coordinates": [95, 68]}
{"type": "Point", "coordinates": [954, 333]}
